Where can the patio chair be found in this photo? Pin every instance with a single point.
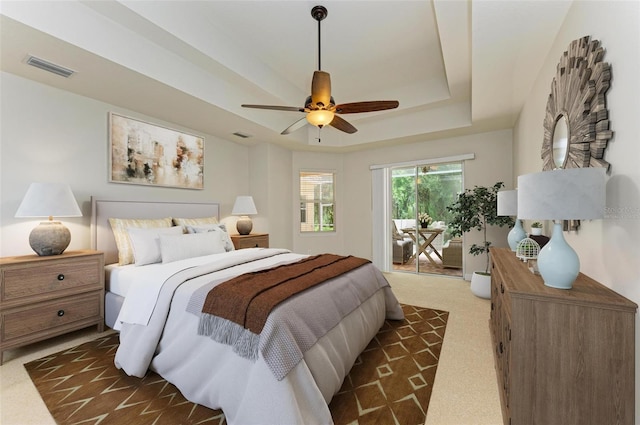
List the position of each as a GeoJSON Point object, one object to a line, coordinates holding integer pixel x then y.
{"type": "Point", "coordinates": [402, 245]}
{"type": "Point", "coordinates": [452, 253]}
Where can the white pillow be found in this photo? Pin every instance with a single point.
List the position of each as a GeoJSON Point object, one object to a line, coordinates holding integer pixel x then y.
{"type": "Point", "coordinates": [120, 234]}
{"type": "Point", "coordinates": [180, 247]}
{"type": "Point", "coordinates": [146, 243]}
{"type": "Point", "coordinates": [221, 228]}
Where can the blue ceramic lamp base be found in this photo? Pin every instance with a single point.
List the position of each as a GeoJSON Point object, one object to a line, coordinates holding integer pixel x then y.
{"type": "Point", "coordinates": [516, 235]}
{"type": "Point", "coordinates": [558, 263]}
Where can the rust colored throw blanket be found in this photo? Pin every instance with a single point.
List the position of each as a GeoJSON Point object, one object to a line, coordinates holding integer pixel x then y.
{"type": "Point", "coordinates": [249, 298]}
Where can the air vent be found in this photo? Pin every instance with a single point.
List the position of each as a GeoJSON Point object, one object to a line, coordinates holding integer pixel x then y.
{"type": "Point", "coordinates": [242, 135]}
{"type": "Point", "coordinates": [51, 67]}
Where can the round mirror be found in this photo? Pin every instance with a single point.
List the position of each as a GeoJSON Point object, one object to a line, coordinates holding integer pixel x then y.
{"type": "Point", "coordinates": [560, 141]}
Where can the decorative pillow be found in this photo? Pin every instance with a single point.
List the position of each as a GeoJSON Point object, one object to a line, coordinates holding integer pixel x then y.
{"type": "Point", "coordinates": [119, 227]}
{"type": "Point", "coordinates": [221, 228]}
{"type": "Point", "coordinates": [146, 243]}
{"type": "Point", "coordinates": [194, 221]}
{"type": "Point", "coordinates": [180, 247]}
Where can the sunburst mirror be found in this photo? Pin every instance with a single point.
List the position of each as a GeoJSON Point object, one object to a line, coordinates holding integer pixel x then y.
{"type": "Point", "coordinates": [576, 124]}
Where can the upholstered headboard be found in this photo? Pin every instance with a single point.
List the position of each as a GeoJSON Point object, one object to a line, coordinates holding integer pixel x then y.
{"type": "Point", "coordinates": [102, 209]}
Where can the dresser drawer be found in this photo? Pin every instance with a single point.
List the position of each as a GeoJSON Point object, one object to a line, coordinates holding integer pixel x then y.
{"type": "Point", "coordinates": [22, 280]}
{"type": "Point", "coordinates": [46, 316]}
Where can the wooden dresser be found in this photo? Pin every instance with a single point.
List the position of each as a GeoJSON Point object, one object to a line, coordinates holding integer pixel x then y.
{"type": "Point", "coordinates": [41, 297]}
{"type": "Point", "coordinates": [562, 356]}
{"type": "Point", "coordinates": [253, 240]}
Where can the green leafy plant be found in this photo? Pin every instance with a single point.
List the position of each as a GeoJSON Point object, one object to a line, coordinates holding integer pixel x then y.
{"type": "Point", "coordinates": [477, 209]}
{"type": "Point", "coordinates": [537, 225]}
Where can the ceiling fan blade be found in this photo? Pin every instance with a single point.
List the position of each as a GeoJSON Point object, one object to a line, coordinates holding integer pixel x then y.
{"type": "Point", "coordinates": [295, 126]}
{"type": "Point", "coordinates": [321, 88]}
{"type": "Point", "coordinates": [342, 125]}
{"type": "Point", "coordinates": [277, 108]}
{"type": "Point", "coordinates": [375, 105]}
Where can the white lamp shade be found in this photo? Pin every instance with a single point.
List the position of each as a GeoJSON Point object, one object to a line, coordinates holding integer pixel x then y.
{"type": "Point", "coordinates": [244, 206]}
{"type": "Point", "coordinates": [564, 194]}
{"type": "Point", "coordinates": [508, 202]}
{"type": "Point", "coordinates": [49, 200]}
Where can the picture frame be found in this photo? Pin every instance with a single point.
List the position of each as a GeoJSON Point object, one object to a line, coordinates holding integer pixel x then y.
{"type": "Point", "coordinates": [143, 153]}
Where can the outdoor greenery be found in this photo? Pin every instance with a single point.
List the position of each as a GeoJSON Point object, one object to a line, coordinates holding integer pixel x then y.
{"type": "Point", "coordinates": [477, 209]}
{"type": "Point", "coordinates": [436, 187]}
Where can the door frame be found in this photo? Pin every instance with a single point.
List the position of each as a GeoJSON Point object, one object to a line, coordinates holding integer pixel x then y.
{"type": "Point", "coordinates": [381, 205]}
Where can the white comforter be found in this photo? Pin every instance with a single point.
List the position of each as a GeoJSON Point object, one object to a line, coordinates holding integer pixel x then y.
{"type": "Point", "coordinates": [210, 373]}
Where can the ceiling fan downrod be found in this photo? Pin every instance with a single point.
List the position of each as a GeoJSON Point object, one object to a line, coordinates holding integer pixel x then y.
{"type": "Point", "coordinates": [319, 13]}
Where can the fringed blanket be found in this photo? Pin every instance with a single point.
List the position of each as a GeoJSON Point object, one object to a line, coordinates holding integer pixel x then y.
{"type": "Point", "coordinates": [235, 311]}
{"type": "Point", "coordinates": [248, 299]}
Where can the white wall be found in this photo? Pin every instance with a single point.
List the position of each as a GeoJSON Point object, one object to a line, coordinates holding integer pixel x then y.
{"type": "Point", "coordinates": [329, 241]}
{"type": "Point", "coordinates": [609, 248]}
{"type": "Point", "coordinates": [492, 163]}
{"type": "Point", "coordinates": [272, 186]}
{"type": "Point", "coordinates": [51, 135]}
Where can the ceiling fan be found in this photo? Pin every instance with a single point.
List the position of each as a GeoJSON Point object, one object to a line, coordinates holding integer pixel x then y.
{"type": "Point", "coordinates": [320, 108]}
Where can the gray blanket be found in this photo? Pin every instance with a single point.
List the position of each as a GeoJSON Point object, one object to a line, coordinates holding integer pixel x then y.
{"type": "Point", "coordinates": [296, 325]}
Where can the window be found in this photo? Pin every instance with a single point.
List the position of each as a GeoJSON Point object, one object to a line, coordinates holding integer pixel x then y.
{"type": "Point", "coordinates": [317, 204]}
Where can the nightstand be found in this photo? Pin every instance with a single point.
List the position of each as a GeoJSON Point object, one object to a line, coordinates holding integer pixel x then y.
{"type": "Point", "coordinates": [42, 297]}
{"type": "Point", "coordinates": [253, 240]}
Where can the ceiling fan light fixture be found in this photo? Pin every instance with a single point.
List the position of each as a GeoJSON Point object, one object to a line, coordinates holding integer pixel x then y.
{"type": "Point", "coordinates": [320, 107]}
{"type": "Point", "coordinates": [320, 117]}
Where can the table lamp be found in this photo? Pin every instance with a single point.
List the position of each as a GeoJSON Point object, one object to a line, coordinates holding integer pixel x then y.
{"type": "Point", "coordinates": [508, 206]}
{"type": "Point", "coordinates": [563, 194]}
{"type": "Point", "coordinates": [49, 200]}
{"type": "Point", "coordinates": [244, 207]}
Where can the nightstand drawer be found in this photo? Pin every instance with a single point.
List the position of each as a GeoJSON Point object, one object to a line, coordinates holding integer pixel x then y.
{"type": "Point", "coordinates": [43, 317]}
{"type": "Point", "coordinates": [260, 240]}
{"type": "Point", "coordinates": [45, 296]}
{"type": "Point", "coordinates": [22, 280]}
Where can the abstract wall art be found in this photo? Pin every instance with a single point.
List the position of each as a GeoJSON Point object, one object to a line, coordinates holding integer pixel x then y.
{"type": "Point", "coordinates": [149, 154]}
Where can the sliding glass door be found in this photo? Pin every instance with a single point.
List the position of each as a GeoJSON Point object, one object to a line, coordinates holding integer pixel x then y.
{"type": "Point", "coordinates": [420, 196]}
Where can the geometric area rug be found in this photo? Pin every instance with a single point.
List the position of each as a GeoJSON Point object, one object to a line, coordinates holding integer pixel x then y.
{"type": "Point", "coordinates": [390, 383]}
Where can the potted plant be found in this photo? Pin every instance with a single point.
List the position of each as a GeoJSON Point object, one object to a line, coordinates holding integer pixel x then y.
{"type": "Point", "coordinates": [476, 209]}
{"type": "Point", "coordinates": [425, 220]}
{"type": "Point", "coordinates": [536, 228]}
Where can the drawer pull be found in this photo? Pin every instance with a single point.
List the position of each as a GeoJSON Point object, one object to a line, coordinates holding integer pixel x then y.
{"type": "Point", "coordinates": [501, 288]}
{"type": "Point", "coordinates": [60, 276]}
{"type": "Point", "coordinates": [501, 348]}
{"type": "Point", "coordinates": [60, 313]}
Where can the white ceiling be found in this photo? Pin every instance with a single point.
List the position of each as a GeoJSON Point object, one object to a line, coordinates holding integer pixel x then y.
{"type": "Point", "coordinates": [455, 66]}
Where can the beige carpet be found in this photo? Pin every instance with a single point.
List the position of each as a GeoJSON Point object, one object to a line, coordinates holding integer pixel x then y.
{"type": "Point", "coordinates": [391, 382]}
{"type": "Point", "coordinates": [465, 390]}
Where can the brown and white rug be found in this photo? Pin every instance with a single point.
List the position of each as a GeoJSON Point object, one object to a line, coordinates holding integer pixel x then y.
{"type": "Point", "coordinates": [390, 383]}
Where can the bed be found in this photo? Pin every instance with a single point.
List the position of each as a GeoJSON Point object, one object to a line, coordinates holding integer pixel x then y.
{"type": "Point", "coordinates": [285, 374]}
